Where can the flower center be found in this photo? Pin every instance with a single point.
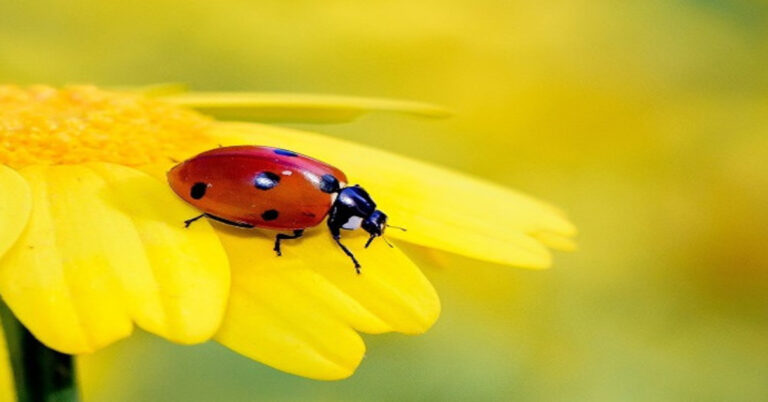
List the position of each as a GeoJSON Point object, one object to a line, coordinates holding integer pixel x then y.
{"type": "Point", "coordinates": [44, 125]}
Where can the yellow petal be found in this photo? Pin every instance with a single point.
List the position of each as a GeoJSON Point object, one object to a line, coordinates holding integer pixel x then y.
{"type": "Point", "coordinates": [105, 246]}
{"type": "Point", "coordinates": [281, 107]}
{"type": "Point", "coordinates": [7, 388]}
{"type": "Point", "coordinates": [441, 208]}
{"type": "Point", "coordinates": [298, 312]}
{"type": "Point", "coordinates": [15, 204]}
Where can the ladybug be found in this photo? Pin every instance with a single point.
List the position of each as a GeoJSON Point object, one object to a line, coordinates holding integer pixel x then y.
{"type": "Point", "coordinates": [258, 186]}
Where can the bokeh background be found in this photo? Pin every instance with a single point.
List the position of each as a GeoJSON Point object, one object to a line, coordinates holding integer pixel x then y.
{"type": "Point", "coordinates": [646, 121]}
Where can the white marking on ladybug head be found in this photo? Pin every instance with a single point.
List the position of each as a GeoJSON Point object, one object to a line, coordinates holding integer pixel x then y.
{"type": "Point", "coordinates": [353, 223]}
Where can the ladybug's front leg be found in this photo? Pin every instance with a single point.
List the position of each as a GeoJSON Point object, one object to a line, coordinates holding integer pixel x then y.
{"type": "Point", "coordinates": [336, 233]}
{"type": "Point", "coordinates": [296, 234]}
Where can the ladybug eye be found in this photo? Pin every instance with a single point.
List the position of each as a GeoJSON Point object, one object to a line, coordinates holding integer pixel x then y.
{"type": "Point", "coordinates": [198, 190]}
{"type": "Point", "coordinates": [266, 180]}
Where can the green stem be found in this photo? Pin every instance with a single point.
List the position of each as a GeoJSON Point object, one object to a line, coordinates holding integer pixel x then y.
{"type": "Point", "coordinates": [40, 374]}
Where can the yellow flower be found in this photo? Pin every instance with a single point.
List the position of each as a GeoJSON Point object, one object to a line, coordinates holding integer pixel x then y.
{"type": "Point", "coordinates": [93, 241]}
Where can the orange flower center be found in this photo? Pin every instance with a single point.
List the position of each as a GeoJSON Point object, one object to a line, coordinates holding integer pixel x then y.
{"type": "Point", "coordinates": [44, 125]}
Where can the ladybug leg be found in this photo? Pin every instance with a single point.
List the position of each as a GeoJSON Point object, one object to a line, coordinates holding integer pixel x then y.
{"type": "Point", "coordinates": [189, 221]}
{"type": "Point", "coordinates": [335, 228]}
{"type": "Point", "coordinates": [348, 253]}
{"type": "Point", "coordinates": [337, 237]}
{"type": "Point", "coordinates": [296, 234]}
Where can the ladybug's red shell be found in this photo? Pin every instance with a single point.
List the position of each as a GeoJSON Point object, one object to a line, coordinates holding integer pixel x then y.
{"type": "Point", "coordinates": [258, 186]}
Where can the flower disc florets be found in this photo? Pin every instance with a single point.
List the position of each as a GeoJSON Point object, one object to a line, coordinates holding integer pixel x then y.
{"type": "Point", "coordinates": [44, 125]}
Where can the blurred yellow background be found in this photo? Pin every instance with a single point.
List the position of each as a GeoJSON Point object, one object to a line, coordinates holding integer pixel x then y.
{"type": "Point", "coordinates": [646, 121]}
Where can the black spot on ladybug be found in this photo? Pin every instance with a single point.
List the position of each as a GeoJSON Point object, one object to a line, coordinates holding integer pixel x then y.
{"type": "Point", "coordinates": [270, 215]}
{"type": "Point", "coordinates": [266, 180]}
{"type": "Point", "coordinates": [329, 184]}
{"type": "Point", "coordinates": [198, 190]}
{"type": "Point", "coordinates": [286, 152]}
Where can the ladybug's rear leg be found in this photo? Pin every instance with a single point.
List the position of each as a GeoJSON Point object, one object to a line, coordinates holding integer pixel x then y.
{"type": "Point", "coordinates": [296, 234]}
{"type": "Point", "coordinates": [189, 221]}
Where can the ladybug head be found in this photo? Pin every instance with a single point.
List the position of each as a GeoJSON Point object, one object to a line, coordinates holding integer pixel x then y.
{"type": "Point", "coordinates": [375, 225]}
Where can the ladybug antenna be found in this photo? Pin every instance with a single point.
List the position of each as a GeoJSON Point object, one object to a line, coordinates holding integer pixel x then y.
{"type": "Point", "coordinates": [370, 239]}
{"type": "Point", "coordinates": [397, 227]}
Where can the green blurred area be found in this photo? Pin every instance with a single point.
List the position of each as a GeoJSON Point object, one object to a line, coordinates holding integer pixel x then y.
{"type": "Point", "coordinates": [646, 121]}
